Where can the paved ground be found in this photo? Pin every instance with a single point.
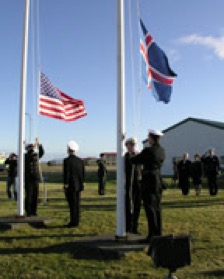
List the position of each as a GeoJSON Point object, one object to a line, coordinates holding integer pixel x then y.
{"type": "Point", "coordinates": [12, 222]}
{"type": "Point", "coordinates": [110, 245]}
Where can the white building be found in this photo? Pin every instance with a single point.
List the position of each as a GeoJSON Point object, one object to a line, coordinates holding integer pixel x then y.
{"type": "Point", "coordinates": [191, 135]}
{"type": "Point", "coordinates": [3, 157]}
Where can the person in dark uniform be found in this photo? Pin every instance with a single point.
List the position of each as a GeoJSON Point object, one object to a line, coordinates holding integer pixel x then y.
{"type": "Point", "coordinates": [152, 159]}
{"type": "Point", "coordinates": [11, 161]}
{"type": "Point", "coordinates": [73, 174]}
{"type": "Point", "coordinates": [175, 172]}
{"type": "Point", "coordinates": [184, 168]}
{"type": "Point", "coordinates": [32, 177]}
{"type": "Point", "coordinates": [196, 173]}
{"type": "Point", "coordinates": [211, 168]}
{"type": "Point", "coordinates": [132, 188]}
{"type": "Point", "coordinates": [102, 174]}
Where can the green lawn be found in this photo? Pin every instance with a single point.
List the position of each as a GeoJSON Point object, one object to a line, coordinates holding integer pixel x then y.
{"type": "Point", "coordinates": [50, 253]}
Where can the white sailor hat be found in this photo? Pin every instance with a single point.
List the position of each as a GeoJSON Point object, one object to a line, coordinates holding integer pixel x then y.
{"type": "Point", "coordinates": [155, 133]}
{"type": "Point", "coordinates": [131, 141]}
{"type": "Point", "coordinates": [72, 145]}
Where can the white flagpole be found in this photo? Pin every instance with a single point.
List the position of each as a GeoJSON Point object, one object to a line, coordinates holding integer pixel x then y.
{"type": "Point", "coordinates": [20, 203]}
{"type": "Point", "coordinates": [121, 230]}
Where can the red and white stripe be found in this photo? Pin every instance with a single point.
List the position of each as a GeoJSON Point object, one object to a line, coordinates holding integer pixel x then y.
{"type": "Point", "coordinates": [67, 109]}
{"type": "Point", "coordinates": [155, 74]}
{"type": "Point", "coordinates": [146, 59]}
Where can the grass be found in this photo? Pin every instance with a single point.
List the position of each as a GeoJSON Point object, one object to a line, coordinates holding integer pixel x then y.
{"type": "Point", "coordinates": [54, 173]}
{"type": "Point", "coordinates": [50, 252]}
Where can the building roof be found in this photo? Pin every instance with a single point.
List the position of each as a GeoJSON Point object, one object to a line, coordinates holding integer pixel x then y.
{"type": "Point", "coordinates": [215, 124]}
{"type": "Point", "coordinates": [90, 158]}
{"type": "Point", "coordinates": [110, 153]}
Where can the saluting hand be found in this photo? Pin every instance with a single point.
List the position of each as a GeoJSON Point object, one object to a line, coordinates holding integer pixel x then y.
{"type": "Point", "coordinates": [37, 142]}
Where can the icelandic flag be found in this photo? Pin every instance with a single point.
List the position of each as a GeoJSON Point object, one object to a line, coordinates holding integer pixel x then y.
{"type": "Point", "coordinates": [158, 74]}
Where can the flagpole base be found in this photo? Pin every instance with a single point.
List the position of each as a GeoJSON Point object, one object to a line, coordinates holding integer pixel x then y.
{"type": "Point", "coordinates": [119, 238]}
{"type": "Point", "coordinates": [20, 216]}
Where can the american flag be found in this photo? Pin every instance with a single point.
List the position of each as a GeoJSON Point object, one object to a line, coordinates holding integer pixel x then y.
{"type": "Point", "coordinates": [56, 104]}
{"type": "Point", "coordinates": [159, 75]}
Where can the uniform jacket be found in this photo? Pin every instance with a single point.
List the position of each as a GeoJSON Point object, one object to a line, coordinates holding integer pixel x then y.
{"type": "Point", "coordinates": [102, 170]}
{"type": "Point", "coordinates": [196, 169]}
{"type": "Point", "coordinates": [184, 169]}
{"type": "Point", "coordinates": [211, 164]}
{"type": "Point", "coordinates": [152, 159]}
{"type": "Point", "coordinates": [131, 170]}
{"type": "Point", "coordinates": [12, 170]}
{"type": "Point", "coordinates": [74, 173]}
{"type": "Point", "coordinates": [32, 164]}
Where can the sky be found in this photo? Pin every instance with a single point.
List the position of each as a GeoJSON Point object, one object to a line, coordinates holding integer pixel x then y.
{"type": "Point", "coordinates": [78, 52]}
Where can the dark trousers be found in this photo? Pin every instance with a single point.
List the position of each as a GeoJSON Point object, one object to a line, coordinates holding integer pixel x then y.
{"type": "Point", "coordinates": [212, 184]}
{"type": "Point", "coordinates": [101, 185]}
{"type": "Point", "coordinates": [184, 184]}
{"type": "Point", "coordinates": [11, 182]}
{"type": "Point", "coordinates": [152, 205]}
{"type": "Point", "coordinates": [197, 182]}
{"type": "Point", "coordinates": [73, 198]}
{"type": "Point", "coordinates": [132, 208]}
{"type": "Point", "coordinates": [31, 197]}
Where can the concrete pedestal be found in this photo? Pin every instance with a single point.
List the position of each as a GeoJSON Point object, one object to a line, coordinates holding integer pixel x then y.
{"type": "Point", "coordinates": [13, 222]}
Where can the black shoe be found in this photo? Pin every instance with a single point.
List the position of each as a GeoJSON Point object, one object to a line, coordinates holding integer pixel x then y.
{"type": "Point", "coordinates": [71, 225]}
{"type": "Point", "coordinates": [146, 240]}
{"type": "Point", "coordinates": [135, 232]}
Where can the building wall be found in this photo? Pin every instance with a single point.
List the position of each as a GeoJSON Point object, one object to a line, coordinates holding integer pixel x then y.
{"type": "Point", "coordinates": [191, 137]}
{"type": "Point", "coordinates": [90, 161]}
{"type": "Point", "coordinates": [2, 162]}
{"type": "Point", "coordinates": [111, 159]}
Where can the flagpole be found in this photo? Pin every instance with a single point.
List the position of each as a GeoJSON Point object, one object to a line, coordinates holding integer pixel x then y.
{"type": "Point", "coordinates": [20, 202]}
{"type": "Point", "coordinates": [121, 230]}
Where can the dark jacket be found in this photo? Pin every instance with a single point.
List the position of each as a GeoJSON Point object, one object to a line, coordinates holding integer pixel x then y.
{"type": "Point", "coordinates": [184, 169]}
{"type": "Point", "coordinates": [152, 159]}
{"type": "Point", "coordinates": [12, 170]}
{"type": "Point", "coordinates": [196, 169]}
{"type": "Point", "coordinates": [211, 165]}
{"type": "Point", "coordinates": [131, 170]}
{"type": "Point", "coordinates": [74, 173]}
{"type": "Point", "coordinates": [32, 164]}
{"type": "Point", "coordinates": [102, 170]}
